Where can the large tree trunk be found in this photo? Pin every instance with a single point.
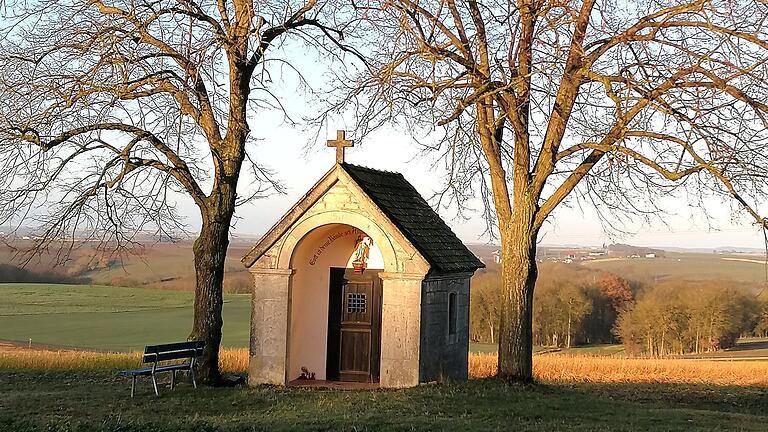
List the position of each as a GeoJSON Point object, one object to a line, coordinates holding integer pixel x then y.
{"type": "Point", "coordinates": [211, 247]}
{"type": "Point", "coordinates": [210, 251]}
{"type": "Point", "coordinates": [519, 273]}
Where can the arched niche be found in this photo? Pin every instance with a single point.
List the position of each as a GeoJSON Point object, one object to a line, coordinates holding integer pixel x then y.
{"type": "Point", "coordinates": [356, 220]}
{"type": "Point", "coordinates": [313, 258]}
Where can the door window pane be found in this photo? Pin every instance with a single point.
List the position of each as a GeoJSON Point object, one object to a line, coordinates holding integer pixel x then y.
{"type": "Point", "coordinates": [356, 303]}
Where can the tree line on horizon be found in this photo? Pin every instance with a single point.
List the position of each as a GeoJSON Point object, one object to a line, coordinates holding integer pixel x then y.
{"type": "Point", "coordinates": [577, 306]}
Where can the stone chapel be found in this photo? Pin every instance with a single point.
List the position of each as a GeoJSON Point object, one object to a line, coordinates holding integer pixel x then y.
{"type": "Point", "coordinates": [361, 281]}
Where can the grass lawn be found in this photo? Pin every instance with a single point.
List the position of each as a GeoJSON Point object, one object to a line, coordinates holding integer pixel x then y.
{"type": "Point", "coordinates": [108, 318]}
{"type": "Point", "coordinates": [82, 400]}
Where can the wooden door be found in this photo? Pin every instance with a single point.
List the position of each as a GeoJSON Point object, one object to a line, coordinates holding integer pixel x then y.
{"type": "Point", "coordinates": [354, 322]}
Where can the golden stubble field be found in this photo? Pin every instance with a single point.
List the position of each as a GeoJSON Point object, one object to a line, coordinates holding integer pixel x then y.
{"type": "Point", "coordinates": [547, 368]}
{"type": "Point", "coordinates": [590, 369]}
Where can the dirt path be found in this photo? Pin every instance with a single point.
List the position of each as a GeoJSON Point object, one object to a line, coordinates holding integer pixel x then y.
{"type": "Point", "coordinates": [745, 260]}
{"type": "Point", "coordinates": [6, 345]}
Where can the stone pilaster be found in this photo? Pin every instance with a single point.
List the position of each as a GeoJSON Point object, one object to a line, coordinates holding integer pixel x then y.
{"type": "Point", "coordinates": [269, 326]}
{"type": "Point", "coordinates": [400, 327]}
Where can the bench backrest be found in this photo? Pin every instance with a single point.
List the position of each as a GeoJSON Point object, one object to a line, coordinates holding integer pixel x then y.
{"type": "Point", "coordinates": [173, 351]}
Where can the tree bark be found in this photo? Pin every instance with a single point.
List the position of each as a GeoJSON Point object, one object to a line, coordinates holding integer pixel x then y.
{"type": "Point", "coordinates": [568, 339]}
{"type": "Point", "coordinates": [491, 328]}
{"type": "Point", "coordinates": [697, 339]}
{"type": "Point", "coordinates": [519, 273]}
{"type": "Point", "coordinates": [210, 251]}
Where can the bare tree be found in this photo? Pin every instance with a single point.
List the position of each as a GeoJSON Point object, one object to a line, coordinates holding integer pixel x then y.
{"type": "Point", "coordinates": [543, 102]}
{"type": "Point", "coordinates": [108, 107]}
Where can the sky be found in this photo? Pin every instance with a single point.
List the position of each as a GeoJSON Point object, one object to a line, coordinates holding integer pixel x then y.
{"type": "Point", "coordinates": [299, 164]}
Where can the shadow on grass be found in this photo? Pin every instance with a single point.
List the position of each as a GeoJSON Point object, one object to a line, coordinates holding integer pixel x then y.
{"type": "Point", "coordinates": [99, 400]}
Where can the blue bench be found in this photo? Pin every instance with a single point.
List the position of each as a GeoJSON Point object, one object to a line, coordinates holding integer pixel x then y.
{"type": "Point", "coordinates": [158, 354]}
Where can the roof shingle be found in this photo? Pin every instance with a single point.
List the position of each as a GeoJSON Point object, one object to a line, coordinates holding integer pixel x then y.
{"type": "Point", "coordinates": [415, 218]}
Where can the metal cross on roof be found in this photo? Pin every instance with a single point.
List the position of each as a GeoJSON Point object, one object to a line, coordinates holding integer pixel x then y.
{"type": "Point", "coordinates": [340, 143]}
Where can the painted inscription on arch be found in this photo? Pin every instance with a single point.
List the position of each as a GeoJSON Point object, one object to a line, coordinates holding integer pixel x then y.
{"type": "Point", "coordinates": [330, 240]}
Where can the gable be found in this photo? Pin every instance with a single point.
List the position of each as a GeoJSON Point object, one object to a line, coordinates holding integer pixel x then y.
{"type": "Point", "coordinates": [418, 233]}
{"type": "Point", "coordinates": [335, 199]}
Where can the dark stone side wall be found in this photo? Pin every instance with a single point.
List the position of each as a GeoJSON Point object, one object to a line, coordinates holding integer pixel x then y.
{"type": "Point", "coordinates": [444, 356]}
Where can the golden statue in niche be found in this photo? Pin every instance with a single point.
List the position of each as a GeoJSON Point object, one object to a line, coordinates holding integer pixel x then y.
{"type": "Point", "coordinates": [362, 250]}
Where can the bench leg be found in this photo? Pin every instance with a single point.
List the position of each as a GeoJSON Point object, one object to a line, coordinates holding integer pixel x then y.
{"type": "Point", "coordinates": [154, 383]}
{"type": "Point", "coordinates": [173, 379]}
{"type": "Point", "coordinates": [133, 385]}
{"type": "Point", "coordinates": [192, 372]}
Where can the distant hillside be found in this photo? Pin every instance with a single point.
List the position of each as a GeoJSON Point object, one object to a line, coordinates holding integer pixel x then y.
{"type": "Point", "coordinates": [170, 266]}
{"type": "Point", "coordinates": [15, 274]}
{"type": "Point", "coordinates": [160, 265]}
{"type": "Point", "coordinates": [619, 249]}
{"type": "Point", "coordinates": [24, 233]}
{"type": "Point", "coordinates": [686, 266]}
{"type": "Point", "coordinates": [716, 250]}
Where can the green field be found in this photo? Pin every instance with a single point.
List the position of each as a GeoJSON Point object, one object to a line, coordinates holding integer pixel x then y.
{"type": "Point", "coordinates": [108, 318]}
{"type": "Point", "coordinates": [83, 400]}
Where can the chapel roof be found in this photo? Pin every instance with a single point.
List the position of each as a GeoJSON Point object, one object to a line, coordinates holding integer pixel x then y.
{"type": "Point", "coordinates": [415, 218]}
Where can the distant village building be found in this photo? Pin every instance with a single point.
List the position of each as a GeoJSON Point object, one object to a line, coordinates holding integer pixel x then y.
{"type": "Point", "coordinates": [650, 255]}
{"type": "Point", "coordinates": [360, 281]}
